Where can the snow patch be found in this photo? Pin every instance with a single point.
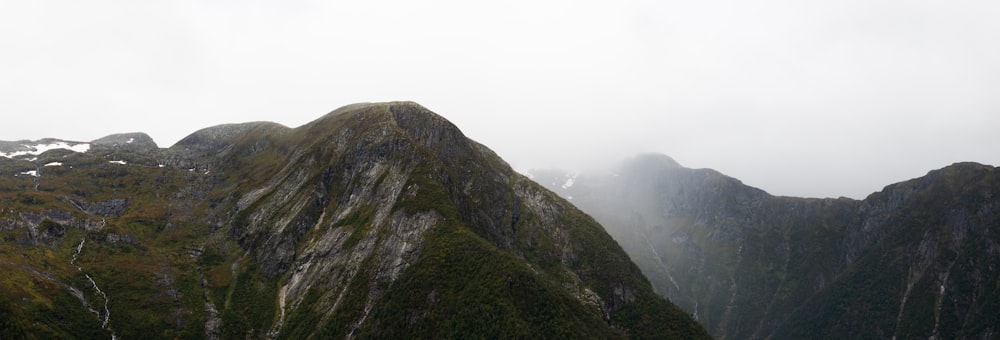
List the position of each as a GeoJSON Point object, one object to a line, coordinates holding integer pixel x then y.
{"type": "Point", "coordinates": [118, 162]}
{"type": "Point", "coordinates": [130, 140]}
{"type": "Point", "coordinates": [42, 148]}
{"type": "Point", "coordinates": [31, 173]}
{"type": "Point", "coordinates": [570, 181]}
{"type": "Point", "coordinates": [54, 164]}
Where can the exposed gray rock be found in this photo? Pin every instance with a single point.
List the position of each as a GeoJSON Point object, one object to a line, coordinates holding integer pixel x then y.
{"type": "Point", "coordinates": [110, 208]}
{"type": "Point", "coordinates": [122, 240]}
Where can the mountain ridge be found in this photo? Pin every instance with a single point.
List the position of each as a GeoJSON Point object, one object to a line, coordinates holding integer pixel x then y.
{"type": "Point", "coordinates": [375, 220]}
{"type": "Point", "coordinates": [748, 264]}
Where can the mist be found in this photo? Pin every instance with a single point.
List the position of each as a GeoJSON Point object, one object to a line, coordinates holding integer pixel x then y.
{"type": "Point", "coordinates": [802, 99]}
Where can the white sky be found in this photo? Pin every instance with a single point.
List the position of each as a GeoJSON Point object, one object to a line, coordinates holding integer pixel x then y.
{"type": "Point", "coordinates": [804, 98]}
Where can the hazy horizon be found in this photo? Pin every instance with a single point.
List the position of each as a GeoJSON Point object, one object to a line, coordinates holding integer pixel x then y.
{"type": "Point", "coordinates": [815, 100]}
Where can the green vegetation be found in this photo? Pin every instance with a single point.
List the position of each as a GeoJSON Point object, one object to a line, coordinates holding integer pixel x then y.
{"type": "Point", "coordinates": [306, 318]}
{"type": "Point", "coordinates": [251, 305]}
{"type": "Point", "coordinates": [352, 306]}
{"type": "Point", "coordinates": [430, 194]}
{"type": "Point", "coordinates": [360, 223]}
{"type": "Point", "coordinates": [33, 307]}
{"type": "Point", "coordinates": [160, 243]}
{"type": "Point", "coordinates": [463, 287]}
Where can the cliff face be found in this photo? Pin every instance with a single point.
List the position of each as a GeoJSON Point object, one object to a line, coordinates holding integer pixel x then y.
{"type": "Point", "coordinates": [750, 265]}
{"type": "Point", "coordinates": [374, 220]}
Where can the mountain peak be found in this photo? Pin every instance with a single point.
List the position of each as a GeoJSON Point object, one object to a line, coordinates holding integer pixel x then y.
{"type": "Point", "coordinates": [134, 140]}
{"type": "Point", "coordinates": [218, 135]}
{"type": "Point", "coordinates": [965, 167]}
{"type": "Point", "coordinates": [651, 161]}
{"type": "Point", "coordinates": [367, 110]}
{"type": "Point", "coordinates": [955, 176]}
{"type": "Point", "coordinates": [377, 220]}
{"type": "Point", "coordinates": [375, 121]}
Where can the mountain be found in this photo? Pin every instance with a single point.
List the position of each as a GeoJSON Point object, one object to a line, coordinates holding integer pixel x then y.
{"type": "Point", "coordinates": [374, 221]}
{"type": "Point", "coordinates": [918, 259]}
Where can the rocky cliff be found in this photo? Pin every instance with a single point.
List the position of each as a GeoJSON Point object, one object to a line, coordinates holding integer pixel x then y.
{"type": "Point", "coordinates": [918, 259]}
{"type": "Point", "coordinates": [376, 220]}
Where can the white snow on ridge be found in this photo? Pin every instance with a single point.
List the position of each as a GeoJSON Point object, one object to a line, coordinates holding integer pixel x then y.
{"type": "Point", "coordinates": [42, 148]}
{"type": "Point", "coordinates": [118, 162]}
{"type": "Point", "coordinates": [570, 181]}
{"type": "Point", "coordinates": [54, 164]}
{"type": "Point", "coordinates": [130, 140]}
{"type": "Point", "coordinates": [31, 173]}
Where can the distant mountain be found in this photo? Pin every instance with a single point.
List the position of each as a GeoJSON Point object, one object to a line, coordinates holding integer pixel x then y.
{"type": "Point", "coordinates": [374, 221]}
{"type": "Point", "coordinates": [919, 259]}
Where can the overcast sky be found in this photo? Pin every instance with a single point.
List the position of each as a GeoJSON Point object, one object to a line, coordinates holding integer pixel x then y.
{"type": "Point", "coordinates": [803, 98]}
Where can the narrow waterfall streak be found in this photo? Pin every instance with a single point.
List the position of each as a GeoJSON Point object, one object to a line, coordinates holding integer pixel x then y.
{"type": "Point", "coordinates": [106, 316]}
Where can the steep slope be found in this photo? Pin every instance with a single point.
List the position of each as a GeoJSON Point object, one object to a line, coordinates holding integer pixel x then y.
{"type": "Point", "coordinates": [376, 220]}
{"type": "Point", "coordinates": [750, 265]}
{"type": "Point", "coordinates": [929, 268]}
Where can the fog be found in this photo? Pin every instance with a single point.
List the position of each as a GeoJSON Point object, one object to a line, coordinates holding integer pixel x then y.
{"type": "Point", "coordinates": [797, 98]}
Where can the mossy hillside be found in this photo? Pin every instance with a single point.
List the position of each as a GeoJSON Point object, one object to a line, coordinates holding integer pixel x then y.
{"type": "Point", "coordinates": [971, 260]}
{"type": "Point", "coordinates": [919, 248]}
{"type": "Point", "coordinates": [425, 191]}
{"type": "Point", "coordinates": [315, 316]}
{"type": "Point", "coordinates": [858, 304]}
{"type": "Point", "coordinates": [251, 304]}
{"type": "Point", "coordinates": [359, 222]}
{"type": "Point", "coordinates": [119, 256]}
{"type": "Point", "coordinates": [151, 285]}
{"type": "Point", "coordinates": [305, 320]}
{"type": "Point", "coordinates": [149, 291]}
{"type": "Point", "coordinates": [602, 264]}
{"type": "Point", "coordinates": [254, 158]}
{"type": "Point", "coordinates": [351, 309]}
{"type": "Point", "coordinates": [56, 315]}
{"type": "Point", "coordinates": [33, 294]}
{"type": "Point", "coordinates": [182, 224]}
{"type": "Point", "coordinates": [539, 249]}
{"type": "Point", "coordinates": [463, 286]}
{"type": "Point", "coordinates": [598, 261]}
